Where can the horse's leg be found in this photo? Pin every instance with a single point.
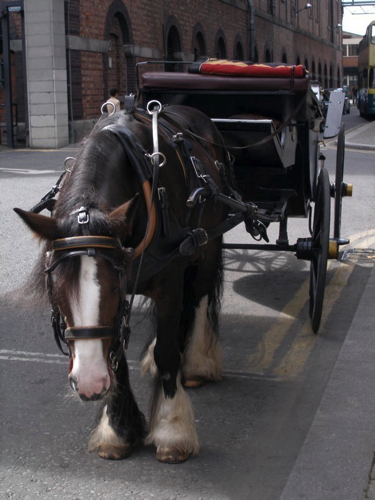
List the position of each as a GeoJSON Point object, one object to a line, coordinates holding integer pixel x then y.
{"type": "Point", "coordinates": [202, 359]}
{"type": "Point", "coordinates": [172, 424]}
{"type": "Point", "coordinates": [121, 424]}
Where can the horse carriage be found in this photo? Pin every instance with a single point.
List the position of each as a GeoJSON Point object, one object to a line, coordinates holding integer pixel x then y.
{"type": "Point", "coordinates": [142, 210]}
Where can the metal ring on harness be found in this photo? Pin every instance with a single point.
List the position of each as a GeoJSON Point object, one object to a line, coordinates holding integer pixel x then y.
{"type": "Point", "coordinates": [157, 107]}
{"type": "Point", "coordinates": [106, 104]}
{"type": "Point", "coordinates": [67, 169]}
{"type": "Point", "coordinates": [157, 153]}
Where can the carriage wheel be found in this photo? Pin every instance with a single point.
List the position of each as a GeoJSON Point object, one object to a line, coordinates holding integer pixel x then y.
{"type": "Point", "coordinates": [339, 181]}
{"type": "Point", "coordinates": [320, 246]}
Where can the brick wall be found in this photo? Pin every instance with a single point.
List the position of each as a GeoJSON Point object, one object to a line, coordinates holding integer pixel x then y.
{"type": "Point", "coordinates": [310, 36]}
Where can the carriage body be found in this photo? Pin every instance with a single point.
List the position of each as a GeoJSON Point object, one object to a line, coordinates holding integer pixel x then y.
{"type": "Point", "coordinates": [280, 174]}
{"type": "Point", "coordinates": [270, 122]}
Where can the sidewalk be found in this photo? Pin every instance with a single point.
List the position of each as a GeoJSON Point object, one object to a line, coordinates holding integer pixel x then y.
{"type": "Point", "coordinates": [336, 461]}
{"type": "Point", "coordinates": [362, 137]}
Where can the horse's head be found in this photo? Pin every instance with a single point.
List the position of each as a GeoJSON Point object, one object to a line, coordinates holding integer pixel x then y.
{"type": "Point", "coordinates": [86, 284]}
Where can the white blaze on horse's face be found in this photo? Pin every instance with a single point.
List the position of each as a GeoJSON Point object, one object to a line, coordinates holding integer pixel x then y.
{"type": "Point", "coordinates": [89, 375]}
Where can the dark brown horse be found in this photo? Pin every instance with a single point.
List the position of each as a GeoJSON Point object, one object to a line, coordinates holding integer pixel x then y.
{"type": "Point", "coordinates": [103, 211]}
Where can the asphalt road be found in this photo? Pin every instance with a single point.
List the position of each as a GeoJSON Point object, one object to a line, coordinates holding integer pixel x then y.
{"type": "Point", "coordinates": [251, 425]}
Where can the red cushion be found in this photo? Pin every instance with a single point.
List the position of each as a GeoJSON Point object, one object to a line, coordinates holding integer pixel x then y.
{"type": "Point", "coordinates": [238, 68]}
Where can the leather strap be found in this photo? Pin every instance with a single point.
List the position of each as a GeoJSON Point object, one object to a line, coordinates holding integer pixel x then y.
{"type": "Point", "coordinates": [90, 332]}
{"type": "Point", "coordinates": [85, 242]}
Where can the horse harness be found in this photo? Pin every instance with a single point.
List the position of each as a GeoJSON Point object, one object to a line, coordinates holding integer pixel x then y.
{"type": "Point", "coordinates": [92, 246]}
{"type": "Point", "coordinates": [164, 240]}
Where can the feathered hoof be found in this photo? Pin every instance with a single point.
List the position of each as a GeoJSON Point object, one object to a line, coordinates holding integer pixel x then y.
{"type": "Point", "coordinates": [172, 456]}
{"type": "Point", "coordinates": [193, 382]}
{"type": "Point", "coordinates": [112, 452]}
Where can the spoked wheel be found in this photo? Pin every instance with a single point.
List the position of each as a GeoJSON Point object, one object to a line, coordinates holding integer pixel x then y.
{"type": "Point", "coordinates": [319, 248]}
{"type": "Point", "coordinates": [339, 181]}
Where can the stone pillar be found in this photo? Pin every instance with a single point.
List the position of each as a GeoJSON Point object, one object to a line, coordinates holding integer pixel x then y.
{"type": "Point", "coordinates": [46, 73]}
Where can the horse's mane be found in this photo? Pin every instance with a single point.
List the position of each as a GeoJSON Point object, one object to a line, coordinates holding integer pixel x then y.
{"type": "Point", "coordinates": [95, 152]}
{"type": "Point", "coordinates": [80, 188]}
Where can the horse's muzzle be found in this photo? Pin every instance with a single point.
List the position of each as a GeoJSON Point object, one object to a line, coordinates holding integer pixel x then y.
{"type": "Point", "coordinates": [95, 392]}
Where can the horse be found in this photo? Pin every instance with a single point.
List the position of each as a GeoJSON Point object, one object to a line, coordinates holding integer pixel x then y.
{"type": "Point", "coordinates": [121, 203]}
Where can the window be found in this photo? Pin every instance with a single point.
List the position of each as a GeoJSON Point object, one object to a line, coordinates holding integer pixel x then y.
{"type": "Point", "coordinates": [371, 80]}
{"type": "Point", "coordinates": [238, 53]}
{"type": "Point", "coordinates": [199, 47]}
{"type": "Point", "coordinates": [221, 52]}
{"type": "Point", "coordinates": [353, 50]}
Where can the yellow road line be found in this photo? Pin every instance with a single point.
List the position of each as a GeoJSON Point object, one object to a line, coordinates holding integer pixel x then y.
{"type": "Point", "coordinates": [263, 356]}
{"type": "Point", "coordinates": [366, 243]}
{"type": "Point", "coordinates": [293, 363]}
{"type": "Point", "coordinates": [264, 353]}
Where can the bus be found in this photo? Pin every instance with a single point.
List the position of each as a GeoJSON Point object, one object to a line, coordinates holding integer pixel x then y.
{"type": "Point", "coordinates": [366, 73]}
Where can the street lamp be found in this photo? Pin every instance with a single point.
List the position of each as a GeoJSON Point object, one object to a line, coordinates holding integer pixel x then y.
{"type": "Point", "coordinates": [306, 7]}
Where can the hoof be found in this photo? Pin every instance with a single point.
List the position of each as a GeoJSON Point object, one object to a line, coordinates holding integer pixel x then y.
{"type": "Point", "coordinates": [112, 452]}
{"type": "Point", "coordinates": [172, 456]}
{"type": "Point", "coordinates": [193, 383]}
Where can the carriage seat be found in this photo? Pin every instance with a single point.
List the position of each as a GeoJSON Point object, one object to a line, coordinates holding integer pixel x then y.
{"type": "Point", "coordinates": [228, 76]}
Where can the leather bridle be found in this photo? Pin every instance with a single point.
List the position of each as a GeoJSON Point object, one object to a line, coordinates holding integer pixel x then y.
{"type": "Point", "coordinates": [96, 247]}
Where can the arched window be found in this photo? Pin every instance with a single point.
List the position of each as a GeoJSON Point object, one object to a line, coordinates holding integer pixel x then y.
{"type": "Point", "coordinates": [313, 71]}
{"type": "Point", "coordinates": [284, 59]}
{"type": "Point", "coordinates": [220, 49]}
{"type": "Point", "coordinates": [320, 74]}
{"type": "Point", "coordinates": [119, 68]}
{"type": "Point", "coordinates": [298, 61]}
{"type": "Point", "coordinates": [325, 76]}
{"type": "Point", "coordinates": [307, 64]}
{"type": "Point", "coordinates": [268, 56]}
{"type": "Point", "coordinates": [199, 46]}
{"type": "Point", "coordinates": [256, 55]}
{"type": "Point", "coordinates": [238, 52]}
{"type": "Point", "coordinates": [173, 49]}
{"type": "Point", "coordinates": [331, 76]}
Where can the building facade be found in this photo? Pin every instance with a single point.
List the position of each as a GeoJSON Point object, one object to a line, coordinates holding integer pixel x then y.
{"type": "Point", "coordinates": [75, 51]}
{"type": "Point", "coordinates": [350, 58]}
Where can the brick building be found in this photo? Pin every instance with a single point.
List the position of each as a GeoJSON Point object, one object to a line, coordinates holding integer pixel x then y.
{"type": "Point", "coordinates": [350, 58]}
{"type": "Point", "coordinates": [75, 51]}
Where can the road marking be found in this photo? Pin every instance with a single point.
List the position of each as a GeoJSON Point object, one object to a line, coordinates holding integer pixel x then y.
{"type": "Point", "coordinates": [29, 171]}
{"type": "Point", "coordinates": [294, 361]}
{"type": "Point", "coordinates": [41, 357]}
{"type": "Point", "coordinates": [39, 360]}
{"type": "Point", "coordinates": [263, 357]}
{"type": "Point", "coordinates": [26, 353]}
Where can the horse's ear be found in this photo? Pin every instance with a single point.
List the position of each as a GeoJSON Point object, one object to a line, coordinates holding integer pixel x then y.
{"type": "Point", "coordinates": [123, 217]}
{"type": "Point", "coordinates": [44, 227]}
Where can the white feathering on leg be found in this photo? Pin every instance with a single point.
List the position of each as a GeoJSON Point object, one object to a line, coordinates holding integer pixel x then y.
{"type": "Point", "coordinates": [104, 434]}
{"type": "Point", "coordinates": [172, 422]}
{"type": "Point", "coordinates": [148, 364]}
{"type": "Point", "coordinates": [203, 354]}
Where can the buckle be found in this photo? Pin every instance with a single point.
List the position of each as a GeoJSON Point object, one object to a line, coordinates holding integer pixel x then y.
{"type": "Point", "coordinates": [83, 216]}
